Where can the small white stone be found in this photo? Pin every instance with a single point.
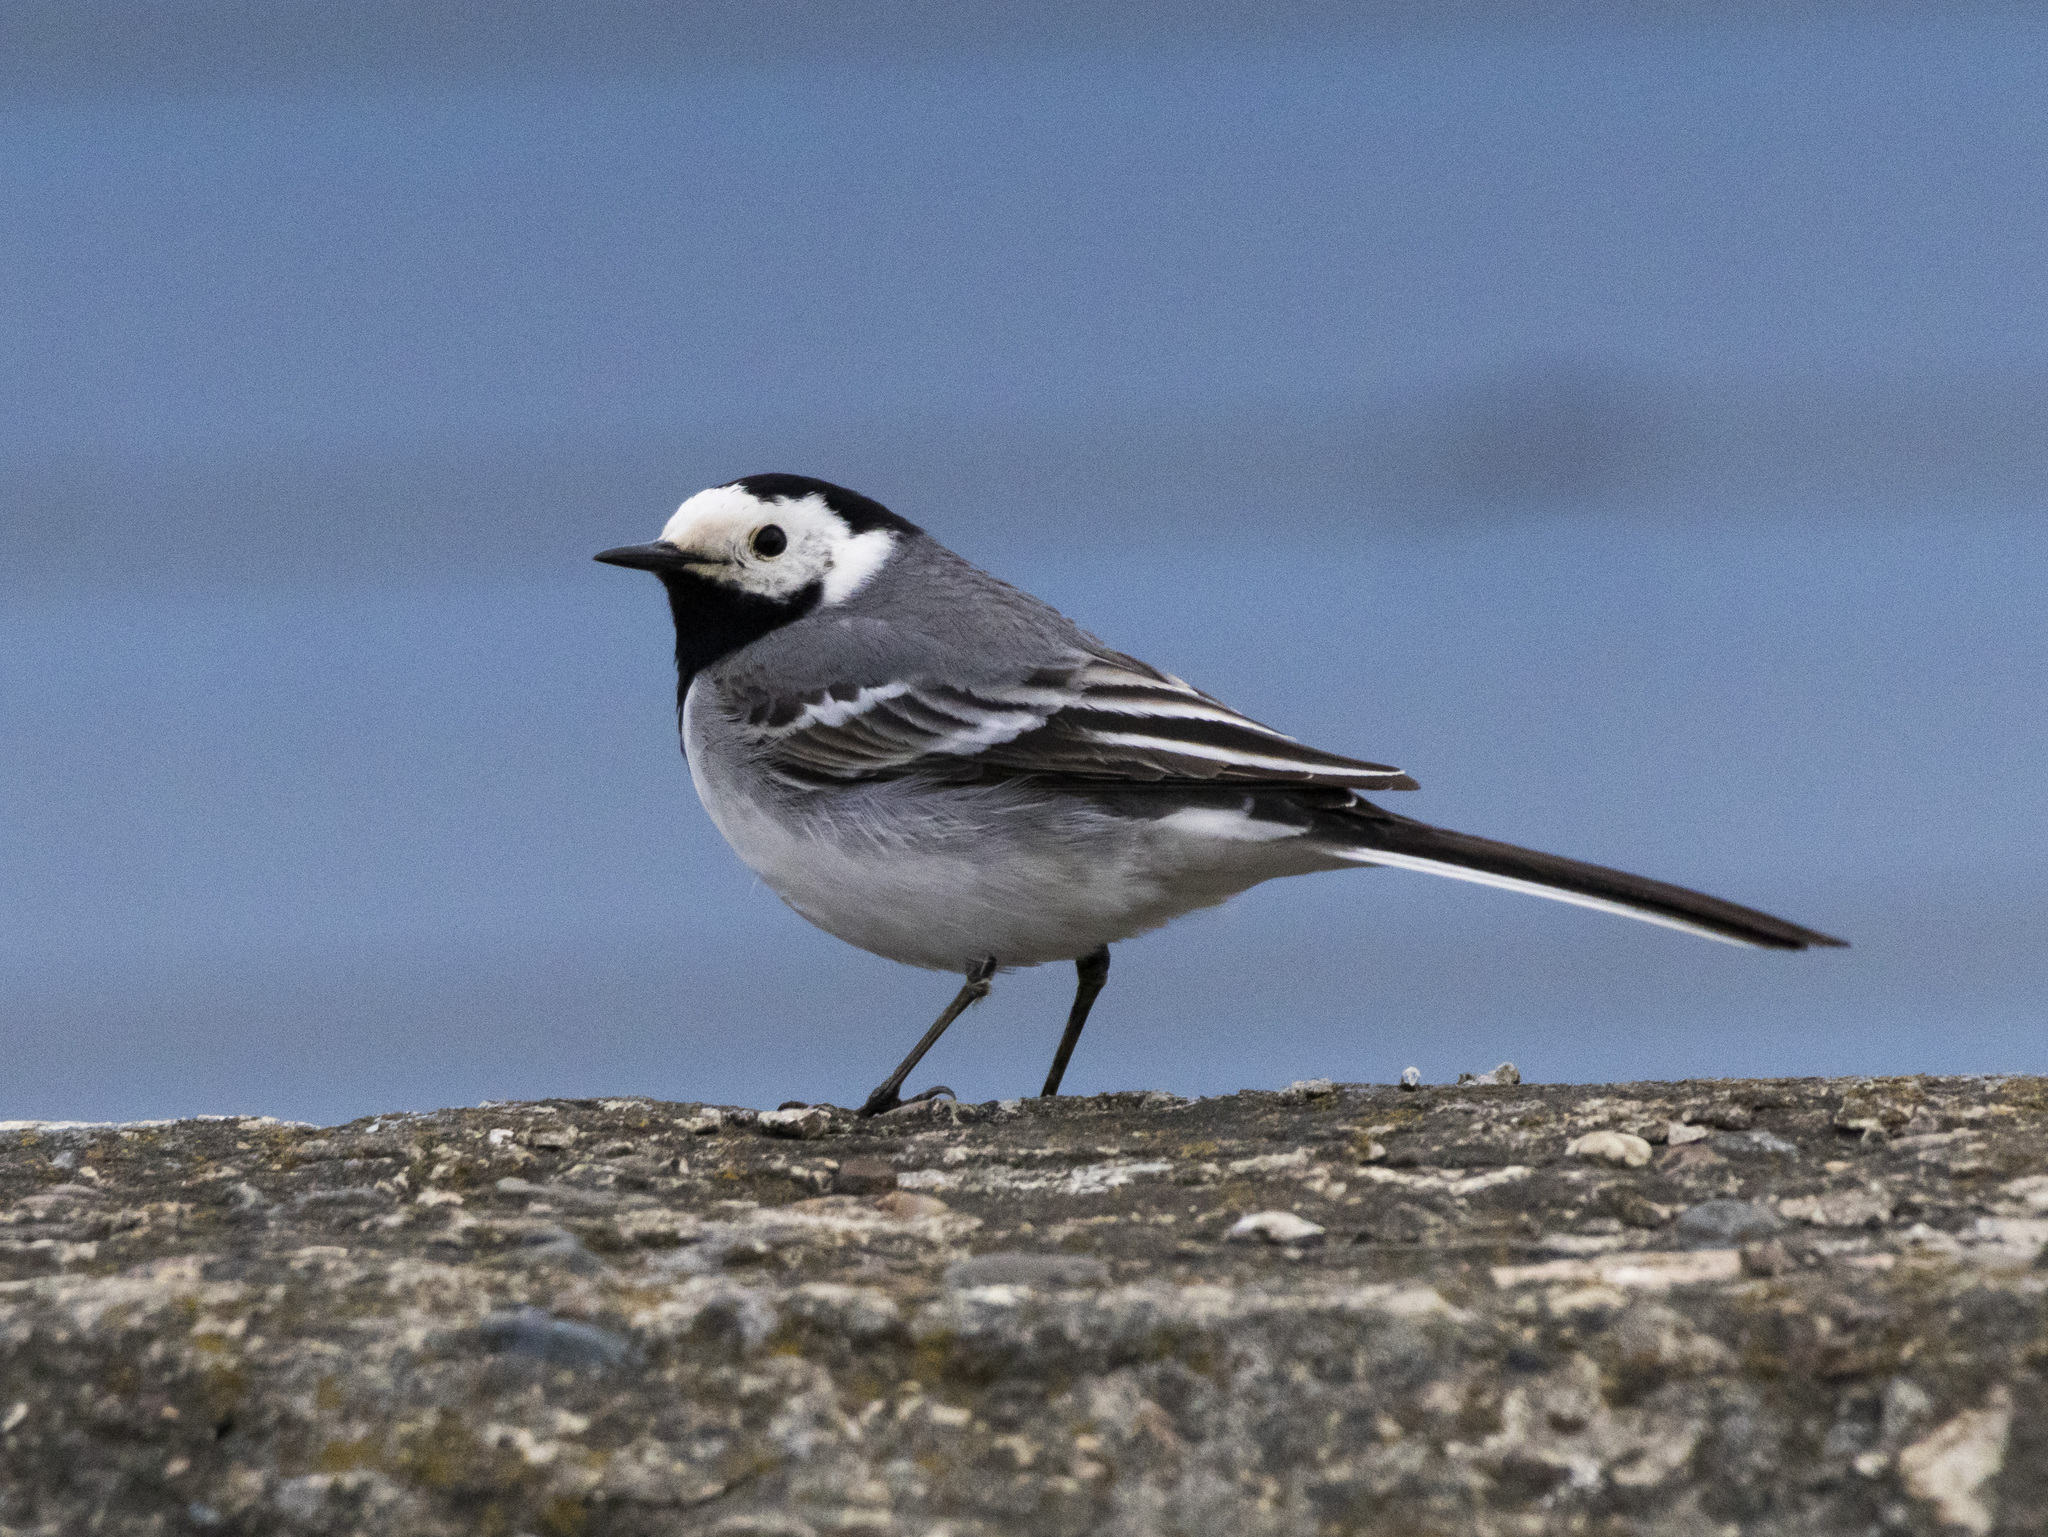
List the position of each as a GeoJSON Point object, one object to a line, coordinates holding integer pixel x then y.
{"type": "Point", "coordinates": [1677, 1134]}
{"type": "Point", "coordinates": [1506, 1073]}
{"type": "Point", "coordinates": [806, 1123]}
{"type": "Point", "coordinates": [1275, 1227]}
{"type": "Point", "coordinates": [1411, 1077]}
{"type": "Point", "coordinates": [1610, 1147]}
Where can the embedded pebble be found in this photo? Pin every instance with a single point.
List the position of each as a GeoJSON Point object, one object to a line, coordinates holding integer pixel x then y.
{"type": "Point", "coordinates": [1718, 1224]}
{"type": "Point", "coordinates": [1765, 1259]}
{"type": "Point", "coordinates": [1506, 1073]}
{"type": "Point", "coordinates": [1610, 1147]}
{"type": "Point", "coordinates": [1302, 1090]}
{"type": "Point", "coordinates": [560, 1195]}
{"type": "Point", "coordinates": [533, 1333]}
{"type": "Point", "coordinates": [863, 1176]}
{"type": "Point", "coordinates": [1278, 1227]}
{"type": "Point", "coordinates": [811, 1121]}
{"type": "Point", "coordinates": [908, 1204]}
{"type": "Point", "coordinates": [1004, 1269]}
{"type": "Point", "coordinates": [1840, 1208]}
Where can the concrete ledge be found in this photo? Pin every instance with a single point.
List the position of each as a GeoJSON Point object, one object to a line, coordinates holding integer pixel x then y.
{"type": "Point", "coordinates": [1747, 1307]}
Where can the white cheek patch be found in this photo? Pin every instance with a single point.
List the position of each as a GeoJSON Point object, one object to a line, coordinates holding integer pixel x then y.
{"type": "Point", "coordinates": [855, 563]}
{"type": "Point", "coordinates": [784, 576]}
{"type": "Point", "coordinates": [719, 524]}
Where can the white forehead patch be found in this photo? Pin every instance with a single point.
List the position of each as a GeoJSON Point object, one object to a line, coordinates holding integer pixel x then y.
{"type": "Point", "coordinates": [723, 510]}
{"type": "Point", "coordinates": [720, 525]}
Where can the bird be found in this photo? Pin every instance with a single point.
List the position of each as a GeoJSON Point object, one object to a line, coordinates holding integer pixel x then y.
{"type": "Point", "coordinates": [934, 766]}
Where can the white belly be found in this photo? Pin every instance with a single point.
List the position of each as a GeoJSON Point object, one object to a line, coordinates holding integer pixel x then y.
{"type": "Point", "coordinates": [966, 873]}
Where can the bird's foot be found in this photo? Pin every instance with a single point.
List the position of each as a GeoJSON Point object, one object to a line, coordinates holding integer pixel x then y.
{"type": "Point", "coordinates": [884, 1099]}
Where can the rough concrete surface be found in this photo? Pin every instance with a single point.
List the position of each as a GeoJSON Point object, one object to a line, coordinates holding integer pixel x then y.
{"type": "Point", "coordinates": [1734, 1307]}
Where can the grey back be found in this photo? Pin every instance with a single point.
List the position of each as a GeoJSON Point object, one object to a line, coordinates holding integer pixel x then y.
{"type": "Point", "coordinates": [927, 613]}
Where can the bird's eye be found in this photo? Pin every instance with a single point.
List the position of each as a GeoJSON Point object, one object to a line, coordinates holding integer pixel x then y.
{"type": "Point", "coordinates": [770, 541]}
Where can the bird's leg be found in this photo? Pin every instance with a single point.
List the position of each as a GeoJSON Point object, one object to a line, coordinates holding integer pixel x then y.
{"type": "Point", "coordinates": [979, 975]}
{"type": "Point", "coordinates": [1093, 970]}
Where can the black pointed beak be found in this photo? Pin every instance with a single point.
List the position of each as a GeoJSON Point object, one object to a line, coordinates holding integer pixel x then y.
{"type": "Point", "coordinates": [658, 556]}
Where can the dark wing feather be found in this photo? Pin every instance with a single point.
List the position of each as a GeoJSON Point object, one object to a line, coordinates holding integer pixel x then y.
{"type": "Point", "coordinates": [1103, 718]}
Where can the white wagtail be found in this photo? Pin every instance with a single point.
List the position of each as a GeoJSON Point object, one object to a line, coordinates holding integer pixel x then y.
{"type": "Point", "coordinates": [936, 767]}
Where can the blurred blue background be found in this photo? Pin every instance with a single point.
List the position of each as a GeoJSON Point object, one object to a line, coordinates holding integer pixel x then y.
{"type": "Point", "coordinates": [1633, 422]}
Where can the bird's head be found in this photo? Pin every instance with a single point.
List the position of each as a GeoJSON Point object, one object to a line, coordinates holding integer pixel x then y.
{"type": "Point", "coordinates": [747, 557]}
{"type": "Point", "coordinates": [783, 538]}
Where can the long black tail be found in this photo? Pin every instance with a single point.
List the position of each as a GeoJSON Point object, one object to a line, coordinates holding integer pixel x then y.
{"type": "Point", "coordinates": [1380, 837]}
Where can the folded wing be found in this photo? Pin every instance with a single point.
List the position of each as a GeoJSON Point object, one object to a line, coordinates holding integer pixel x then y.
{"type": "Point", "coordinates": [1105, 717]}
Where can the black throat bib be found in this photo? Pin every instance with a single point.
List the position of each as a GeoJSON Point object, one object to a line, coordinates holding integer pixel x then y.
{"type": "Point", "coordinates": [714, 620]}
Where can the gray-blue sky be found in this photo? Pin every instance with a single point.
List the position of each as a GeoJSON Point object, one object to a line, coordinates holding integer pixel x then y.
{"type": "Point", "coordinates": [1632, 429]}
